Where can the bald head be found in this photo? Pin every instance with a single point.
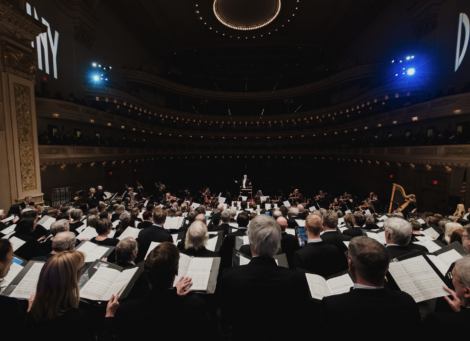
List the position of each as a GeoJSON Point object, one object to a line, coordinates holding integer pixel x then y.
{"type": "Point", "coordinates": [282, 223]}
{"type": "Point", "coordinates": [313, 225]}
{"type": "Point", "coordinates": [220, 208]}
{"type": "Point", "coordinates": [200, 217]}
{"type": "Point", "coordinates": [301, 208]}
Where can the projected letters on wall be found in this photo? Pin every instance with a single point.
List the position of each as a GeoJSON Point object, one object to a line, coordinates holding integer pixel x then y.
{"type": "Point", "coordinates": [43, 41]}
{"type": "Point", "coordinates": [460, 53]}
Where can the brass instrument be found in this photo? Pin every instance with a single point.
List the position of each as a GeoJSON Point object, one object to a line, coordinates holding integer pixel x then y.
{"type": "Point", "coordinates": [399, 200]}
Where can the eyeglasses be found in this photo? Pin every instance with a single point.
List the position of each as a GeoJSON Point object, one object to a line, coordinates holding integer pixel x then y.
{"type": "Point", "coordinates": [464, 235]}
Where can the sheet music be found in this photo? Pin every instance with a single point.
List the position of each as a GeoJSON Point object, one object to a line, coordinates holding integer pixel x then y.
{"type": "Point", "coordinates": [152, 246]}
{"type": "Point", "coordinates": [225, 206]}
{"type": "Point", "coordinates": [290, 231]}
{"type": "Point", "coordinates": [380, 237]}
{"type": "Point", "coordinates": [116, 223]}
{"type": "Point", "coordinates": [430, 232]}
{"type": "Point", "coordinates": [80, 229]}
{"type": "Point", "coordinates": [15, 269]}
{"type": "Point", "coordinates": [421, 221]}
{"type": "Point", "coordinates": [246, 241]}
{"type": "Point", "coordinates": [340, 285]}
{"type": "Point", "coordinates": [445, 260]}
{"type": "Point", "coordinates": [380, 224]}
{"type": "Point", "coordinates": [92, 251]}
{"type": "Point", "coordinates": [318, 286]}
{"type": "Point", "coordinates": [6, 220]}
{"type": "Point", "coordinates": [430, 245]}
{"type": "Point", "coordinates": [98, 285]}
{"type": "Point", "coordinates": [184, 263]}
{"type": "Point", "coordinates": [368, 211]}
{"type": "Point", "coordinates": [313, 208]}
{"type": "Point", "coordinates": [9, 229]}
{"type": "Point", "coordinates": [16, 243]}
{"type": "Point", "coordinates": [111, 234]}
{"type": "Point", "coordinates": [28, 284]}
{"type": "Point", "coordinates": [466, 217]}
{"type": "Point", "coordinates": [129, 232]}
{"type": "Point", "coordinates": [244, 198]}
{"type": "Point", "coordinates": [195, 205]}
{"type": "Point", "coordinates": [301, 222]}
{"type": "Point", "coordinates": [267, 206]}
{"type": "Point", "coordinates": [346, 243]}
{"type": "Point", "coordinates": [200, 272]}
{"type": "Point", "coordinates": [212, 243]}
{"type": "Point", "coordinates": [89, 233]}
{"type": "Point", "coordinates": [263, 198]}
{"type": "Point", "coordinates": [47, 224]}
{"type": "Point", "coordinates": [120, 284]}
{"type": "Point", "coordinates": [233, 225]}
{"type": "Point", "coordinates": [244, 260]}
{"type": "Point", "coordinates": [172, 223]}
{"type": "Point", "coordinates": [404, 282]}
{"type": "Point", "coordinates": [426, 280]}
{"type": "Point", "coordinates": [221, 200]}
{"type": "Point", "coordinates": [174, 237]}
{"type": "Point", "coordinates": [340, 221]}
{"type": "Point", "coordinates": [7, 236]}
{"type": "Point", "coordinates": [275, 205]}
{"type": "Point", "coordinates": [286, 203]}
{"type": "Point", "coordinates": [347, 212]}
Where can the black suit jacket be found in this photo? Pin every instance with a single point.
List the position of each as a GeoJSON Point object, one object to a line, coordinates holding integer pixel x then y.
{"type": "Point", "coordinates": [203, 252]}
{"type": "Point", "coordinates": [354, 232]}
{"type": "Point", "coordinates": [336, 238]}
{"type": "Point", "coordinates": [12, 315]}
{"type": "Point", "coordinates": [291, 223]}
{"type": "Point", "coordinates": [92, 202]}
{"type": "Point", "coordinates": [23, 205]}
{"type": "Point", "coordinates": [228, 244]}
{"type": "Point", "coordinates": [321, 259]}
{"type": "Point", "coordinates": [446, 326]}
{"type": "Point", "coordinates": [398, 251]}
{"type": "Point", "coordinates": [255, 295]}
{"type": "Point", "coordinates": [247, 182]}
{"type": "Point", "coordinates": [114, 217]}
{"type": "Point", "coordinates": [302, 216]}
{"type": "Point", "coordinates": [148, 235]}
{"type": "Point", "coordinates": [144, 224]}
{"type": "Point", "coordinates": [290, 245]}
{"type": "Point", "coordinates": [363, 314]}
{"type": "Point", "coordinates": [99, 195]}
{"type": "Point", "coordinates": [222, 227]}
{"type": "Point", "coordinates": [177, 317]}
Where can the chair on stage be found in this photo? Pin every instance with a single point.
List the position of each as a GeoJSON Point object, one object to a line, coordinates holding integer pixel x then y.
{"type": "Point", "coordinates": [248, 190]}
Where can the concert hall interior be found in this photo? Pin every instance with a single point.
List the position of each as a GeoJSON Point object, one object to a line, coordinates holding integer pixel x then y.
{"type": "Point", "coordinates": [298, 159]}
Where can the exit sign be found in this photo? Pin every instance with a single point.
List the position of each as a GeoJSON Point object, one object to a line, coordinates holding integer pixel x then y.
{"type": "Point", "coordinates": [391, 176]}
{"type": "Point", "coordinates": [434, 182]}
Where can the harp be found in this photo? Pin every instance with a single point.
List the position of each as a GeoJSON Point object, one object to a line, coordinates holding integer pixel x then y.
{"type": "Point", "coordinates": [399, 199]}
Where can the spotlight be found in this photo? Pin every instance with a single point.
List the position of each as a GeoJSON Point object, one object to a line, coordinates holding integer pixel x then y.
{"type": "Point", "coordinates": [96, 78]}
{"type": "Point", "coordinates": [411, 71]}
{"type": "Point", "coordinates": [393, 61]}
{"type": "Point", "coordinates": [408, 58]}
{"type": "Point", "coordinates": [93, 64]}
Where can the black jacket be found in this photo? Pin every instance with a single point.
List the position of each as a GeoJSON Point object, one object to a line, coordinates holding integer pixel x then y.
{"type": "Point", "coordinates": [148, 235]}
{"type": "Point", "coordinates": [203, 252]}
{"type": "Point", "coordinates": [336, 238]}
{"type": "Point", "coordinates": [354, 232]}
{"type": "Point", "coordinates": [291, 223]}
{"type": "Point", "coordinates": [365, 314]}
{"type": "Point", "coordinates": [162, 315]}
{"type": "Point", "coordinates": [12, 315]}
{"type": "Point", "coordinates": [99, 195]}
{"type": "Point", "coordinates": [222, 227]}
{"type": "Point", "coordinates": [254, 295]}
{"type": "Point", "coordinates": [396, 251]}
{"type": "Point", "coordinates": [144, 224]}
{"type": "Point", "coordinates": [321, 259]}
{"type": "Point", "coordinates": [446, 326]}
{"type": "Point", "coordinates": [92, 202]}
{"type": "Point", "coordinates": [290, 245]}
{"type": "Point", "coordinates": [228, 244]}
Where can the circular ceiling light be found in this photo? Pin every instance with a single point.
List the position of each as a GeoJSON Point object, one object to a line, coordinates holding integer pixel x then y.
{"type": "Point", "coordinates": [246, 15]}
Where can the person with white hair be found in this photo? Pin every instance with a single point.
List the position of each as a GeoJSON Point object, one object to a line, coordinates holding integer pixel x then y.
{"type": "Point", "coordinates": [450, 325]}
{"type": "Point", "coordinates": [245, 182]}
{"type": "Point", "coordinates": [293, 212]}
{"type": "Point", "coordinates": [62, 241]}
{"type": "Point", "coordinates": [253, 296]}
{"type": "Point", "coordinates": [302, 213]}
{"type": "Point", "coordinates": [196, 241]}
{"type": "Point", "coordinates": [398, 233]}
{"type": "Point", "coordinates": [225, 225]}
{"type": "Point", "coordinates": [126, 252]}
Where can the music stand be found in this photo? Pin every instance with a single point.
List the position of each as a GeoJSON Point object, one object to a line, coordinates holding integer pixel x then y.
{"type": "Point", "coordinates": [246, 190]}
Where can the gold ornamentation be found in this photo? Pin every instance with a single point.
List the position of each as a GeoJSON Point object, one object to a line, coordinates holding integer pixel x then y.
{"type": "Point", "coordinates": [429, 151]}
{"type": "Point", "coordinates": [52, 151]}
{"type": "Point", "coordinates": [24, 124]}
{"type": "Point", "coordinates": [457, 151]}
{"type": "Point", "coordinates": [84, 150]}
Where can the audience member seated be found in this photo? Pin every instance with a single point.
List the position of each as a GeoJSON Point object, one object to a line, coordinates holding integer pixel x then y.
{"type": "Point", "coordinates": [228, 244]}
{"type": "Point", "coordinates": [146, 220]}
{"type": "Point", "coordinates": [76, 220]}
{"type": "Point", "coordinates": [154, 233]}
{"type": "Point", "coordinates": [316, 256]}
{"type": "Point", "coordinates": [289, 243]}
{"type": "Point", "coordinates": [369, 310]}
{"type": "Point", "coordinates": [398, 234]}
{"type": "Point", "coordinates": [165, 313]}
{"type": "Point", "coordinates": [293, 212]}
{"type": "Point", "coordinates": [448, 325]}
{"type": "Point", "coordinates": [119, 210]}
{"type": "Point", "coordinates": [126, 252]}
{"type": "Point", "coordinates": [64, 213]}
{"type": "Point", "coordinates": [103, 228]}
{"type": "Point", "coordinates": [12, 310]}
{"type": "Point", "coordinates": [56, 227]}
{"type": "Point", "coordinates": [330, 233]}
{"type": "Point", "coordinates": [55, 312]}
{"type": "Point", "coordinates": [63, 241]}
{"type": "Point", "coordinates": [370, 222]}
{"type": "Point", "coordinates": [358, 221]}
{"type": "Point", "coordinates": [24, 230]}
{"type": "Point", "coordinates": [255, 295]}
{"type": "Point", "coordinates": [225, 218]}
{"type": "Point", "coordinates": [196, 241]}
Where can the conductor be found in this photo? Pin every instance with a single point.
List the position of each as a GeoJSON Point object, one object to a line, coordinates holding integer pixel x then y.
{"type": "Point", "coordinates": [245, 182]}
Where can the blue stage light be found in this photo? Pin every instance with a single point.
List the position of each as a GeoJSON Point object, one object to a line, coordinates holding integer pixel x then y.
{"type": "Point", "coordinates": [410, 71]}
{"type": "Point", "coordinates": [96, 78]}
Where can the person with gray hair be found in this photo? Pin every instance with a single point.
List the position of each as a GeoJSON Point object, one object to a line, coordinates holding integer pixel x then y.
{"type": "Point", "coordinates": [63, 241]}
{"type": "Point", "coordinates": [268, 290]}
{"type": "Point", "coordinates": [116, 215]}
{"type": "Point", "coordinates": [293, 212]}
{"type": "Point", "coordinates": [126, 252]}
{"type": "Point", "coordinates": [358, 222]}
{"type": "Point", "coordinates": [196, 241]}
{"type": "Point", "coordinates": [225, 226]}
{"type": "Point", "coordinates": [75, 220]}
{"type": "Point", "coordinates": [377, 307]}
{"type": "Point", "coordinates": [448, 325]}
{"type": "Point", "coordinates": [233, 213]}
{"type": "Point", "coordinates": [398, 233]}
{"type": "Point", "coordinates": [277, 213]}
